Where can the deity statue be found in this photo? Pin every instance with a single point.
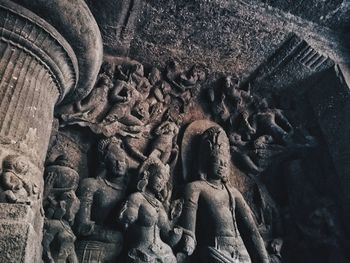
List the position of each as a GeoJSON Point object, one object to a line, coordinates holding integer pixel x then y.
{"type": "Point", "coordinates": [60, 205]}
{"type": "Point", "coordinates": [218, 224]}
{"type": "Point", "coordinates": [100, 239]}
{"type": "Point", "coordinates": [149, 232]}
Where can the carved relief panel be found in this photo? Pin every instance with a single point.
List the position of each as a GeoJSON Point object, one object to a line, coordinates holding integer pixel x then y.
{"type": "Point", "coordinates": [179, 164]}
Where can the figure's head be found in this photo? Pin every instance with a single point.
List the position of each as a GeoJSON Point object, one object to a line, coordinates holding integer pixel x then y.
{"type": "Point", "coordinates": [71, 205]}
{"type": "Point", "coordinates": [15, 163]}
{"type": "Point", "coordinates": [215, 154]}
{"type": "Point", "coordinates": [231, 82]}
{"type": "Point", "coordinates": [141, 110]}
{"type": "Point", "coordinates": [104, 81]}
{"type": "Point", "coordinates": [113, 156]}
{"type": "Point", "coordinates": [154, 177]}
{"type": "Point", "coordinates": [107, 69]}
{"type": "Point", "coordinates": [263, 105]}
{"type": "Point", "coordinates": [276, 246]}
{"type": "Point", "coordinates": [154, 76]}
{"type": "Point", "coordinates": [138, 69]}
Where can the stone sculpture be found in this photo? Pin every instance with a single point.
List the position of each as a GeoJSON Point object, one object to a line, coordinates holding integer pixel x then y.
{"type": "Point", "coordinates": [100, 240]}
{"type": "Point", "coordinates": [61, 205]}
{"type": "Point", "coordinates": [149, 233]}
{"type": "Point", "coordinates": [211, 201]}
{"type": "Point", "coordinates": [93, 108]}
{"type": "Point", "coordinates": [271, 121]}
{"type": "Point", "coordinates": [16, 186]}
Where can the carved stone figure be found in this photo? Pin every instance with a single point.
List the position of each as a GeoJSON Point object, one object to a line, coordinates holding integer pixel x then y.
{"type": "Point", "coordinates": [139, 80]}
{"type": "Point", "coordinates": [271, 121]}
{"type": "Point", "coordinates": [240, 153]}
{"type": "Point", "coordinates": [16, 186]}
{"type": "Point", "coordinates": [149, 232]}
{"type": "Point", "coordinates": [93, 108]}
{"type": "Point", "coordinates": [100, 240]}
{"type": "Point", "coordinates": [164, 147]}
{"type": "Point", "coordinates": [211, 201]}
{"type": "Point", "coordinates": [274, 248]}
{"type": "Point", "coordinates": [61, 205]}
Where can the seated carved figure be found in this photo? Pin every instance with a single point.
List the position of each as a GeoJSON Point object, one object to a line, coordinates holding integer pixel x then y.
{"type": "Point", "coordinates": [15, 185]}
{"type": "Point", "coordinates": [218, 224]}
{"type": "Point", "coordinates": [149, 232]}
{"type": "Point", "coordinates": [100, 240]}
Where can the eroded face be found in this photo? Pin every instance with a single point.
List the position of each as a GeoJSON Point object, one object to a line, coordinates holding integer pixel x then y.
{"type": "Point", "coordinates": [21, 166]}
{"type": "Point", "coordinates": [157, 181]}
{"type": "Point", "coordinates": [116, 165]}
{"type": "Point", "coordinates": [72, 205]}
{"type": "Point", "coordinates": [219, 167]}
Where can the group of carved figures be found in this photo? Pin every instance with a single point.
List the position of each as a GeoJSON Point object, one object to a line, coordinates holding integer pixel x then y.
{"type": "Point", "coordinates": [120, 215]}
{"type": "Point", "coordinates": [126, 100]}
{"type": "Point", "coordinates": [257, 131]}
{"type": "Point", "coordinates": [211, 221]}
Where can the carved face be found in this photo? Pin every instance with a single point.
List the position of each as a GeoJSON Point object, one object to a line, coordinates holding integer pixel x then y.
{"type": "Point", "coordinates": [116, 165]}
{"type": "Point", "coordinates": [276, 245]}
{"type": "Point", "coordinates": [157, 180]}
{"type": "Point", "coordinates": [154, 76]}
{"type": "Point", "coordinates": [142, 110]}
{"type": "Point", "coordinates": [219, 167]}
{"type": "Point", "coordinates": [16, 163]}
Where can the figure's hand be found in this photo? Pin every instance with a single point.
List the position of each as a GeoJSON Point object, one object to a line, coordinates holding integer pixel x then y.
{"type": "Point", "coordinates": [175, 236]}
{"type": "Point", "coordinates": [190, 244]}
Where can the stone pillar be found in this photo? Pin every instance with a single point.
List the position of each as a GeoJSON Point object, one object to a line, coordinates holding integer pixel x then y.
{"type": "Point", "coordinates": [39, 68]}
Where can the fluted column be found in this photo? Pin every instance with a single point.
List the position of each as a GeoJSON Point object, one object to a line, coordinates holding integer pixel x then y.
{"type": "Point", "coordinates": [39, 69]}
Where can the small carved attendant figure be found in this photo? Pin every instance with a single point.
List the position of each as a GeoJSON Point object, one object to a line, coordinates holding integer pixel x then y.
{"type": "Point", "coordinates": [143, 215]}
{"type": "Point", "coordinates": [61, 205]}
{"type": "Point", "coordinates": [164, 147]}
{"type": "Point", "coordinates": [100, 197]}
{"type": "Point", "coordinates": [216, 219]}
{"type": "Point", "coordinates": [15, 185]}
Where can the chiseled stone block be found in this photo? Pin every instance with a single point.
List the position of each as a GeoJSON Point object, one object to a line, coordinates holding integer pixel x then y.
{"type": "Point", "coordinates": [18, 240]}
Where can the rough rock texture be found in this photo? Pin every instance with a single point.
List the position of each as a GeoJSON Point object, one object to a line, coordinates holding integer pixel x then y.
{"type": "Point", "coordinates": [17, 235]}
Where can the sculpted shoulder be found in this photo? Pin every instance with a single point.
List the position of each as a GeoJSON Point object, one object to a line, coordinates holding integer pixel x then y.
{"type": "Point", "coordinates": [89, 184]}
{"type": "Point", "coordinates": [135, 198]}
{"type": "Point", "coordinates": [195, 186]}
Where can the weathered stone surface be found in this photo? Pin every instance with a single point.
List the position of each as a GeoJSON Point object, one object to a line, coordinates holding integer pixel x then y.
{"type": "Point", "coordinates": [18, 240]}
{"type": "Point", "coordinates": [251, 95]}
{"type": "Point", "coordinates": [75, 22]}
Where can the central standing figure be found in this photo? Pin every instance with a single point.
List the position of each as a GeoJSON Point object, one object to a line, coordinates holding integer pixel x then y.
{"type": "Point", "coordinates": [218, 224]}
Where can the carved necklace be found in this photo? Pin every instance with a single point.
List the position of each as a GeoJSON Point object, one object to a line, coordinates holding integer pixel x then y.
{"type": "Point", "coordinates": [112, 185]}
{"type": "Point", "coordinates": [151, 200]}
{"type": "Point", "coordinates": [219, 187]}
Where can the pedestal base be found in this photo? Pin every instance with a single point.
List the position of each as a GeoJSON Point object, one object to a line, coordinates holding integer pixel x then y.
{"type": "Point", "coordinates": [18, 241]}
